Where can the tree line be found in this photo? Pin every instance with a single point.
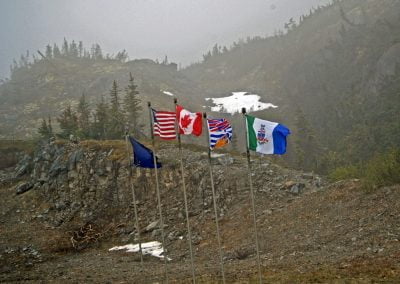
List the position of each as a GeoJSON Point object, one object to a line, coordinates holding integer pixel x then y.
{"type": "Point", "coordinates": [109, 119]}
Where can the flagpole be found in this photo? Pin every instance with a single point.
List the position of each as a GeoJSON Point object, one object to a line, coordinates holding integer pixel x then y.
{"type": "Point", "coordinates": [214, 202]}
{"type": "Point", "coordinates": [158, 193]}
{"type": "Point", "coordinates": [185, 200]}
{"type": "Point", "coordinates": [133, 197]}
{"type": "Point", "coordinates": [252, 197]}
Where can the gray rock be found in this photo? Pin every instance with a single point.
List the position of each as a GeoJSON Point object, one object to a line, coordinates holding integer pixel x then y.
{"type": "Point", "coordinates": [24, 187]}
{"type": "Point", "coordinates": [307, 176]}
{"type": "Point", "coordinates": [57, 167]}
{"type": "Point", "coordinates": [152, 226]}
{"type": "Point", "coordinates": [297, 188]}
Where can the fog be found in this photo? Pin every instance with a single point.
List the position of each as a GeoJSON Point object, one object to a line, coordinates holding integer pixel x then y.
{"type": "Point", "coordinates": [181, 29]}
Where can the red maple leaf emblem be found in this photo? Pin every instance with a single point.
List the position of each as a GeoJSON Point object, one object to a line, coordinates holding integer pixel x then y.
{"type": "Point", "coordinates": [186, 120]}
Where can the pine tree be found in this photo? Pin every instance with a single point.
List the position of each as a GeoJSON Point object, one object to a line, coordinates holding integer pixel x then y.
{"type": "Point", "coordinates": [50, 127]}
{"type": "Point", "coordinates": [65, 48]}
{"type": "Point", "coordinates": [68, 121]}
{"type": "Point", "coordinates": [116, 123]}
{"type": "Point", "coordinates": [56, 51]}
{"type": "Point", "coordinates": [101, 120]}
{"type": "Point", "coordinates": [80, 48]}
{"type": "Point", "coordinates": [73, 49]}
{"type": "Point", "coordinates": [132, 106]}
{"type": "Point", "coordinates": [83, 117]}
{"type": "Point", "coordinates": [49, 51]}
{"type": "Point", "coordinates": [44, 130]}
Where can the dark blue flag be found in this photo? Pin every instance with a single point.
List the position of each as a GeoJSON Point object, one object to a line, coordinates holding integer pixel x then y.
{"type": "Point", "coordinates": [143, 156]}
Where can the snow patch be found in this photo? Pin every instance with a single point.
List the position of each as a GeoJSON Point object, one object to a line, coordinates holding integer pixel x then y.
{"type": "Point", "coordinates": [168, 93]}
{"type": "Point", "coordinates": [237, 101]}
{"type": "Point", "coordinates": [153, 248]}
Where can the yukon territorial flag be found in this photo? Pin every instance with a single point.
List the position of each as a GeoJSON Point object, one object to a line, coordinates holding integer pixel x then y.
{"type": "Point", "coordinates": [220, 132]}
{"type": "Point", "coordinates": [142, 156]}
{"type": "Point", "coordinates": [189, 122]}
{"type": "Point", "coordinates": [266, 137]}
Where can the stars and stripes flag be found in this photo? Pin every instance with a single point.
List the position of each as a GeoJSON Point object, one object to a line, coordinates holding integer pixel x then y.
{"type": "Point", "coordinates": [164, 124]}
{"type": "Point", "coordinates": [220, 132]}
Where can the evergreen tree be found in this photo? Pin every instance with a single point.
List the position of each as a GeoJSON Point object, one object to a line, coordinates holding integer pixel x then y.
{"type": "Point", "coordinates": [116, 122]}
{"type": "Point", "coordinates": [132, 106]}
{"type": "Point", "coordinates": [56, 51]}
{"type": "Point", "coordinates": [44, 130]}
{"type": "Point", "coordinates": [50, 127]}
{"type": "Point", "coordinates": [49, 51]}
{"type": "Point", "coordinates": [80, 48]}
{"type": "Point", "coordinates": [83, 117]}
{"type": "Point", "coordinates": [101, 120]}
{"type": "Point", "coordinates": [73, 49]}
{"type": "Point", "coordinates": [65, 48]}
{"type": "Point", "coordinates": [68, 121]}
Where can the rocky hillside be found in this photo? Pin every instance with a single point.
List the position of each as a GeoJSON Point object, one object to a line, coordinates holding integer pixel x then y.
{"type": "Point", "coordinates": [333, 74]}
{"type": "Point", "coordinates": [63, 207]}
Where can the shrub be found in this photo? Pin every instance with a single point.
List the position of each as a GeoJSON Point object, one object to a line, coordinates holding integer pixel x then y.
{"type": "Point", "coordinates": [383, 170]}
{"type": "Point", "coordinates": [347, 172]}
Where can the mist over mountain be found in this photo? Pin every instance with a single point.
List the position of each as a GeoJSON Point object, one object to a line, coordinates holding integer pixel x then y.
{"type": "Point", "coordinates": [180, 29]}
{"type": "Point", "coordinates": [323, 72]}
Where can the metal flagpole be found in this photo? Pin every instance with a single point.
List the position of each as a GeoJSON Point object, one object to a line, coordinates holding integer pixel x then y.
{"type": "Point", "coordinates": [215, 203]}
{"type": "Point", "coordinates": [133, 197]}
{"type": "Point", "coordinates": [185, 200]}
{"type": "Point", "coordinates": [252, 197]}
{"type": "Point", "coordinates": [158, 193]}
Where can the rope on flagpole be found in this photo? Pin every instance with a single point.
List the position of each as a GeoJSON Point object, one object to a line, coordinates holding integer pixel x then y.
{"type": "Point", "coordinates": [252, 197]}
{"type": "Point", "coordinates": [133, 197]}
{"type": "Point", "coordinates": [185, 200]}
{"type": "Point", "coordinates": [158, 193]}
{"type": "Point", "coordinates": [215, 203]}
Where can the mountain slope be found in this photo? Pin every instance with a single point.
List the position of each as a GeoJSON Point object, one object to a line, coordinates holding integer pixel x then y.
{"type": "Point", "coordinates": [334, 76]}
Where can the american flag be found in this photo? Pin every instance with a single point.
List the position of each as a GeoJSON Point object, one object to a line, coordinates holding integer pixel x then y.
{"type": "Point", "coordinates": [220, 131]}
{"type": "Point", "coordinates": [164, 124]}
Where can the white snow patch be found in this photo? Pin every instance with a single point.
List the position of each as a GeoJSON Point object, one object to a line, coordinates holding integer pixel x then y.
{"type": "Point", "coordinates": [216, 155]}
{"type": "Point", "coordinates": [237, 101]}
{"type": "Point", "coordinates": [168, 93]}
{"type": "Point", "coordinates": [153, 248]}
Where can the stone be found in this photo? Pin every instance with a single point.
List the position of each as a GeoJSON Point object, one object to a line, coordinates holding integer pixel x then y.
{"type": "Point", "coordinates": [297, 188]}
{"type": "Point", "coordinates": [24, 187]}
{"type": "Point", "coordinates": [152, 226]}
{"type": "Point", "coordinates": [307, 176]}
{"type": "Point", "coordinates": [57, 167]}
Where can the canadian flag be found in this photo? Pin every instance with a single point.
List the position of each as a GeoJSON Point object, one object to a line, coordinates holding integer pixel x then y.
{"type": "Point", "coordinates": [189, 122]}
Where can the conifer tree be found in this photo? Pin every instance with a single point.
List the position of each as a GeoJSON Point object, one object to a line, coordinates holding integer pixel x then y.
{"type": "Point", "coordinates": [83, 117]}
{"type": "Point", "coordinates": [132, 106]}
{"type": "Point", "coordinates": [56, 51]}
{"type": "Point", "coordinates": [44, 130]}
{"type": "Point", "coordinates": [73, 49]}
{"type": "Point", "coordinates": [50, 127]}
{"type": "Point", "coordinates": [101, 120]}
{"type": "Point", "coordinates": [65, 48]}
{"type": "Point", "coordinates": [80, 48]}
{"type": "Point", "coordinates": [117, 122]}
{"type": "Point", "coordinates": [49, 51]}
{"type": "Point", "coordinates": [68, 121]}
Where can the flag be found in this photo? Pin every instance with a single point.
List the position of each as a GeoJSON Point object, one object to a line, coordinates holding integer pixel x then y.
{"type": "Point", "coordinates": [164, 124]}
{"type": "Point", "coordinates": [266, 137]}
{"type": "Point", "coordinates": [220, 132]}
{"type": "Point", "coordinates": [189, 122]}
{"type": "Point", "coordinates": [143, 156]}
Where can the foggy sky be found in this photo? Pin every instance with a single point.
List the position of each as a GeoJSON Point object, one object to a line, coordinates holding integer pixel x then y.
{"type": "Point", "coordinates": [181, 29]}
